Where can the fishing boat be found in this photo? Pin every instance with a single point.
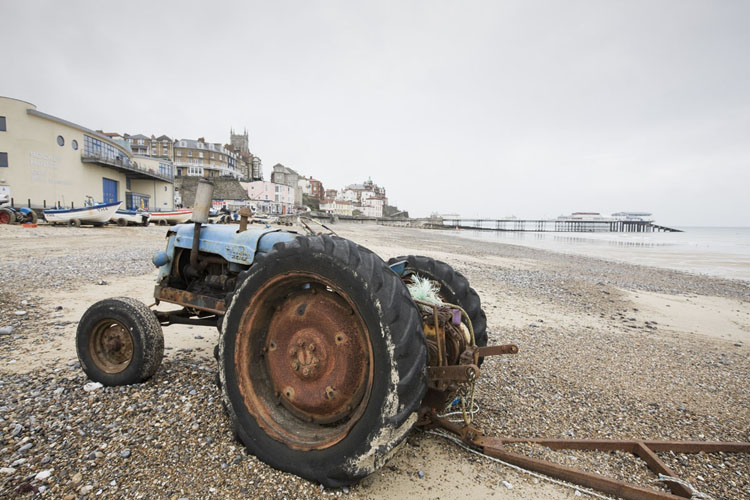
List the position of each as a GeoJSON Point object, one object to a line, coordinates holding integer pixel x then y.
{"type": "Point", "coordinates": [125, 217]}
{"type": "Point", "coordinates": [174, 217]}
{"type": "Point", "coordinates": [97, 213]}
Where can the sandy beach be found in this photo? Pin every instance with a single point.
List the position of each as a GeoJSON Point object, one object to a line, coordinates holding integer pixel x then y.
{"type": "Point", "coordinates": [607, 350]}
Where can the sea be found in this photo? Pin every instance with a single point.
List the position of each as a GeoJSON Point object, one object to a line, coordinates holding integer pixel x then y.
{"type": "Point", "coordinates": [713, 251]}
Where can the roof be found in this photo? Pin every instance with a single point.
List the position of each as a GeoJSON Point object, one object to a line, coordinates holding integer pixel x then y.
{"type": "Point", "coordinates": [224, 189]}
{"type": "Point", "coordinates": [194, 144]}
{"type": "Point", "coordinates": [281, 168]}
{"type": "Point", "coordinates": [139, 136]}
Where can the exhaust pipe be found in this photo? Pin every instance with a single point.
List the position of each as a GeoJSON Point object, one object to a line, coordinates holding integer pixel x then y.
{"type": "Point", "coordinates": [203, 196]}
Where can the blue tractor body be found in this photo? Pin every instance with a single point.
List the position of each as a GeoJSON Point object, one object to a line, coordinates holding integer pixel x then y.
{"type": "Point", "coordinates": [237, 248]}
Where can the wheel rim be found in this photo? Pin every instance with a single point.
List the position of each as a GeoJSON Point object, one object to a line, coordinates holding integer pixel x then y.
{"type": "Point", "coordinates": [111, 346]}
{"type": "Point", "coordinates": [4, 217]}
{"type": "Point", "coordinates": [304, 361]}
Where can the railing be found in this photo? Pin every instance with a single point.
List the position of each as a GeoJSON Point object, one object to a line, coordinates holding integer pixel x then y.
{"type": "Point", "coordinates": [125, 164]}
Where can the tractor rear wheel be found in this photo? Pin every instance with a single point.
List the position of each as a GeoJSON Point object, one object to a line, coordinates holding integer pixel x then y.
{"type": "Point", "coordinates": [32, 218]}
{"type": "Point", "coordinates": [119, 342]}
{"type": "Point", "coordinates": [454, 289]}
{"type": "Point", "coordinates": [322, 360]}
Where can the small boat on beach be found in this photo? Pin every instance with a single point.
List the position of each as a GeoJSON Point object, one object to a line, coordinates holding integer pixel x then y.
{"type": "Point", "coordinates": [98, 213]}
{"type": "Point", "coordinates": [174, 217]}
{"type": "Point", "coordinates": [125, 217]}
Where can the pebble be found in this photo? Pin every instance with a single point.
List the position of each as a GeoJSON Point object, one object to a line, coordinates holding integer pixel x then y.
{"type": "Point", "coordinates": [507, 484]}
{"type": "Point", "coordinates": [92, 386]}
{"type": "Point", "coordinates": [20, 313]}
{"type": "Point", "coordinates": [6, 330]}
{"type": "Point", "coordinates": [420, 474]}
{"type": "Point", "coordinates": [41, 476]}
{"type": "Point", "coordinates": [125, 453]}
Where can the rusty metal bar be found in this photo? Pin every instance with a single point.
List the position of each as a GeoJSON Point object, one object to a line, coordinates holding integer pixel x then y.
{"type": "Point", "coordinates": [189, 299]}
{"type": "Point", "coordinates": [656, 465]}
{"type": "Point", "coordinates": [495, 447]}
{"type": "Point", "coordinates": [495, 350]}
{"type": "Point", "coordinates": [604, 484]}
{"type": "Point", "coordinates": [458, 373]}
{"type": "Point", "coordinates": [630, 445]}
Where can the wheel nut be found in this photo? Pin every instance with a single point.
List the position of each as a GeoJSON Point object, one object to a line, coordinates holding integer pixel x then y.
{"type": "Point", "coordinates": [306, 371]}
{"type": "Point", "coordinates": [311, 347]}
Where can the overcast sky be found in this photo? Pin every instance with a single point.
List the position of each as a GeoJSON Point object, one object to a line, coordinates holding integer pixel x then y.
{"type": "Point", "coordinates": [486, 109]}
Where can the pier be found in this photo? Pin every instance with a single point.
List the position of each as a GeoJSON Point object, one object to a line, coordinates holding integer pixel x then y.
{"type": "Point", "coordinates": [604, 225]}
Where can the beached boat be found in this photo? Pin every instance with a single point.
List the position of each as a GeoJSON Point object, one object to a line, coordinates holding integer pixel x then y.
{"type": "Point", "coordinates": [125, 217]}
{"type": "Point", "coordinates": [98, 213]}
{"type": "Point", "coordinates": [174, 217]}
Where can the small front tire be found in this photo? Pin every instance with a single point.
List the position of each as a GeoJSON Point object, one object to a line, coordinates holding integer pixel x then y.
{"type": "Point", "coordinates": [119, 342]}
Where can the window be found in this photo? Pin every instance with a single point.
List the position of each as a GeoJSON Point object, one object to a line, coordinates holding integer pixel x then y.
{"type": "Point", "coordinates": [179, 152]}
{"type": "Point", "coordinates": [3, 159]}
{"type": "Point", "coordinates": [200, 154]}
{"type": "Point", "coordinates": [2, 124]}
{"type": "Point", "coordinates": [190, 153]}
{"type": "Point", "coordinates": [99, 149]}
{"type": "Point", "coordinates": [74, 145]}
{"type": "Point", "coordinates": [60, 140]}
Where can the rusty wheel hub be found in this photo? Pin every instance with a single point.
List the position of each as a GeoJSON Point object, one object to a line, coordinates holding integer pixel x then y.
{"type": "Point", "coordinates": [111, 346]}
{"type": "Point", "coordinates": [304, 361]}
{"type": "Point", "coordinates": [315, 363]}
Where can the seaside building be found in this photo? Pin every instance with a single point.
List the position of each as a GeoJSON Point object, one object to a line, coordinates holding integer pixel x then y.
{"type": "Point", "coordinates": [47, 161]}
{"type": "Point", "coordinates": [338, 206]}
{"type": "Point", "coordinates": [161, 147]}
{"type": "Point", "coordinates": [367, 198]}
{"type": "Point", "coordinates": [198, 158]}
{"type": "Point", "coordinates": [288, 177]}
{"type": "Point", "coordinates": [271, 197]}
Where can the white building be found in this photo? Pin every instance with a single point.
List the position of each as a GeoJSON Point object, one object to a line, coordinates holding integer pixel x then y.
{"type": "Point", "coordinates": [270, 197]}
{"type": "Point", "coordinates": [338, 207]}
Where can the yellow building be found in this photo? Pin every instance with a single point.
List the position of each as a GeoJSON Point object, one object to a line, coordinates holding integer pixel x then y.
{"type": "Point", "coordinates": [46, 161]}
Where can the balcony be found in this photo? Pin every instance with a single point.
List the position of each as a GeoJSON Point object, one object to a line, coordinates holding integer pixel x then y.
{"type": "Point", "coordinates": [125, 165]}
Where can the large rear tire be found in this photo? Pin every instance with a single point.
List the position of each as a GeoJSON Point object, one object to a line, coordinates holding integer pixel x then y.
{"type": "Point", "coordinates": [322, 360]}
{"type": "Point", "coordinates": [454, 289]}
{"type": "Point", "coordinates": [119, 342]}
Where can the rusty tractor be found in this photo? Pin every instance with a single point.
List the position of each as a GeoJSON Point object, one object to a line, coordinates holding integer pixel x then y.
{"type": "Point", "coordinates": [326, 359]}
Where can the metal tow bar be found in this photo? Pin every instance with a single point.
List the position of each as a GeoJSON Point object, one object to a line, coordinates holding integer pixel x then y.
{"type": "Point", "coordinates": [644, 449]}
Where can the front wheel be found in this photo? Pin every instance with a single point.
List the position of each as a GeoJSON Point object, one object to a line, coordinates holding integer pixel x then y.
{"type": "Point", "coordinates": [322, 360]}
{"type": "Point", "coordinates": [119, 342]}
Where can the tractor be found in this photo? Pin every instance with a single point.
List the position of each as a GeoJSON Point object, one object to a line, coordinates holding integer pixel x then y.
{"type": "Point", "coordinates": [328, 356]}
{"type": "Point", "coordinates": [11, 215]}
{"type": "Point", "coordinates": [326, 359]}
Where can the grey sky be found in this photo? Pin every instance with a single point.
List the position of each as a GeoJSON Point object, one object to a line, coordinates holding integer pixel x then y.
{"type": "Point", "coordinates": [483, 108]}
